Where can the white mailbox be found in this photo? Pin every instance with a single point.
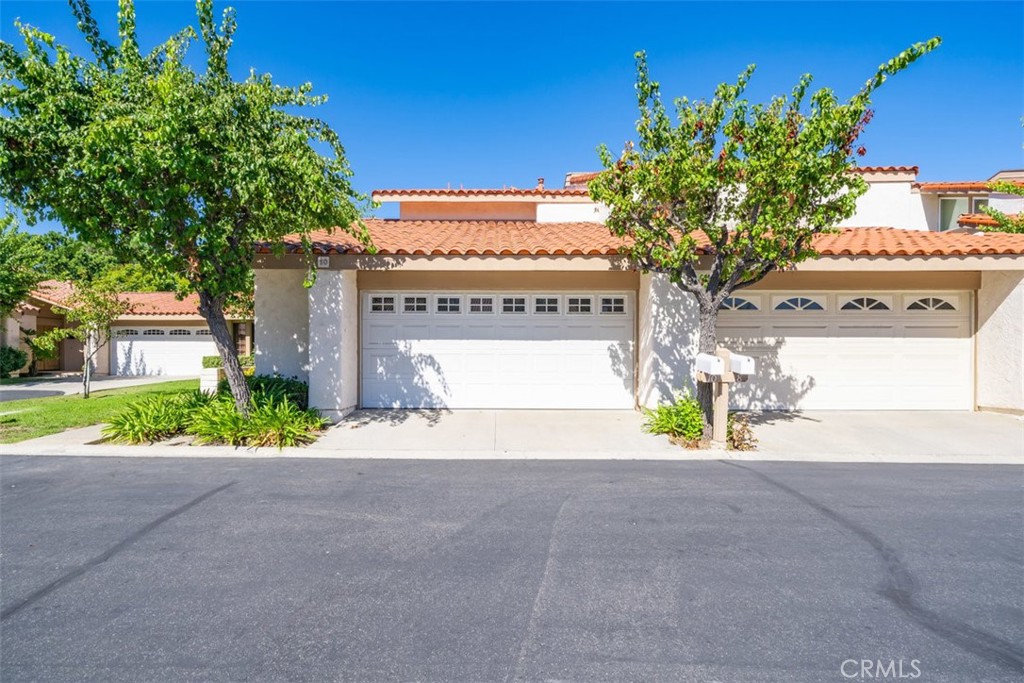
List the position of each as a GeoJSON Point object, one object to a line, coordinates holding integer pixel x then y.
{"type": "Point", "coordinates": [710, 365]}
{"type": "Point", "coordinates": [742, 365]}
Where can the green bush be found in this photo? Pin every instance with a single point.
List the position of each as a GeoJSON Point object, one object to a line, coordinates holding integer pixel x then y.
{"type": "Point", "coordinates": [274, 420]}
{"type": "Point", "coordinates": [11, 359]}
{"type": "Point", "coordinates": [681, 420]}
{"type": "Point", "coordinates": [274, 387]}
{"type": "Point", "coordinates": [215, 361]}
{"type": "Point", "coordinates": [154, 419]}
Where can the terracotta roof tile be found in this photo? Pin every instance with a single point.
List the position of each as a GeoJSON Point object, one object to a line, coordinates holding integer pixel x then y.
{"type": "Point", "coordinates": [508, 238]}
{"type": "Point", "coordinates": [580, 179]}
{"type": "Point", "coordinates": [494, 192]}
{"type": "Point", "coordinates": [961, 186]}
{"type": "Point", "coordinates": [140, 303]}
{"type": "Point", "coordinates": [895, 242]}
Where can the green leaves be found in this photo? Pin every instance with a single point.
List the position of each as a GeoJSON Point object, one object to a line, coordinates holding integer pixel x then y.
{"type": "Point", "coordinates": [21, 257]}
{"type": "Point", "coordinates": [729, 190]}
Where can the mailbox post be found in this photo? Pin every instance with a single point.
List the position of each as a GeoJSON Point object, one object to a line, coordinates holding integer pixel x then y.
{"type": "Point", "coordinates": [729, 368]}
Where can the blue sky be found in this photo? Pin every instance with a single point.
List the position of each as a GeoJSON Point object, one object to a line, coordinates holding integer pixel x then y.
{"type": "Point", "coordinates": [491, 94]}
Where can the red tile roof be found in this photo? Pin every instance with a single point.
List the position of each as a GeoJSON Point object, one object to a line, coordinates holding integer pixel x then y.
{"type": "Point", "coordinates": [575, 180]}
{"type": "Point", "coordinates": [961, 186]}
{"type": "Point", "coordinates": [140, 303]}
{"type": "Point", "coordinates": [495, 192]}
{"type": "Point", "coordinates": [976, 220]}
{"type": "Point", "coordinates": [895, 242]}
{"type": "Point", "coordinates": [508, 238]}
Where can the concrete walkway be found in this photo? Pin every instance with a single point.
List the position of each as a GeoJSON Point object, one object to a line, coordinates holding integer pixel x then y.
{"type": "Point", "coordinates": [66, 386]}
{"type": "Point", "coordinates": [884, 437]}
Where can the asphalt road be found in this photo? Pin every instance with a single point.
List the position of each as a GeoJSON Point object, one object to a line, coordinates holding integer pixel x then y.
{"type": "Point", "coordinates": [335, 570]}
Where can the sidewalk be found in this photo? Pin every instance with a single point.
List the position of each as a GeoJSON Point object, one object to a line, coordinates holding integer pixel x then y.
{"type": "Point", "coordinates": [919, 437]}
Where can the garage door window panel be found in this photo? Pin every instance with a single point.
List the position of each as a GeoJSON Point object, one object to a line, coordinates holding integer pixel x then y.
{"type": "Point", "coordinates": [127, 333]}
{"type": "Point", "coordinates": [448, 304]}
{"type": "Point", "coordinates": [865, 303]}
{"type": "Point", "coordinates": [180, 333]}
{"type": "Point", "coordinates": [579, 305]}
{"type": "Point", "coordinates": [414, 304]}
{"type": "Point", "coordinates": [382, 304]}
{"type": "Point", "coordinates": [545, 305]}
{"type": "Point", "coordinates": [152, 333]}
{"type": "Point", "coordinates": [738, 303]}
{"type": "Point", "coordinates": [481, 304]}
{"type": "Point", "coordinates": [613, 305]}
{"type": "Point", "coordinates": [800, 303]}
{"type": "Point", "coordinates": [513, 304]}
{"type": "Point", "coordinates": [931, 303]}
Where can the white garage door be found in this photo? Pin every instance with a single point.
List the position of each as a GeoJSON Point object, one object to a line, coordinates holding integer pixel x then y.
{"type": "Point", "coordinates": [497, 350]}
{"type": "Point", "coordinates": [159, 350]}
{"type": "Point", "coordinates": [852, 351]}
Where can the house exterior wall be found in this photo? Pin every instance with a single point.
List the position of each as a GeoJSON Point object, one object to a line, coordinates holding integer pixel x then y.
{"type": "Point", "coordinates": [667, 340]}
{"type": "Point", "coordinates": [1007, 203]}
{"type": "Point", "coordinates": [334, 343]}
{"type": "Point", "coordinates": [281, 327]}
{"type": "Point", "coordinates": [1000, 342]}
{"type": "Point", "coordinates": [588, 212]}
{"type": "Point", "coordinates": [429, 211]}
{"type": "Point", "coordinates": [889, 204]}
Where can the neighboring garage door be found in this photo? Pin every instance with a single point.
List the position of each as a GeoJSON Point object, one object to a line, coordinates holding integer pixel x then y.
{"type": "Point", "coordinates": [159, 351]}
{"type": "Point", "coordinates": [497, 350]}
{"type": "Point", "coordinates": [852, 351]}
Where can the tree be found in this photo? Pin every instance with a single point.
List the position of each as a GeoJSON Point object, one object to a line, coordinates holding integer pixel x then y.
{"type": "Point", "coordinates": [731, 191]}
{"type": "Point", "coordinates": [20, 257]}
{"type": "Point", "coordinates": [65, 257]}
{"type": "Point", "coordinates": [185, 170]}
{"type": "Point", "coordinates": [1006, 222]}
{"type": "Point", "coordinates": [90, 311]}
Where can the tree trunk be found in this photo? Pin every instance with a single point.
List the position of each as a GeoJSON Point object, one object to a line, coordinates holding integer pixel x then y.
{"type": "Point", "coordinates": [707, 343]}
{"type": "Point", "coordinates": [87, 366]}
{"type": "Point", "coordinates": [212, 309]}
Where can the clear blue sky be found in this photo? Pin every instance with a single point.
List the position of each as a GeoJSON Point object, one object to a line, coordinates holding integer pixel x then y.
{"type": "Point", "coordinates": [489, 94]}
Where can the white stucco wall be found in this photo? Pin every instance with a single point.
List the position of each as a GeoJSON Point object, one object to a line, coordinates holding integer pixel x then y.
{"type": "Point", "coordinates": [1007, 203]}
{"type": "Point", "coordinates": [334, 343]}
{"type": "Point", "coordinates": [667, 340]}
{"type": "Point", "coordinates": [566, 212]}
{"type": "Point", "coordinates": [281, 326]}
{"type": "Point", "coordinates": [1000, 341]}
{"type": "Point", "coordinates": [890, 204]}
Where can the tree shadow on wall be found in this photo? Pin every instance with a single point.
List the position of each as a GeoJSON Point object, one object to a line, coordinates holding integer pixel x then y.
{"type": "Point", "coordinates": [402, 385]}
{"type": "Point", "coordinates": [767, 396]}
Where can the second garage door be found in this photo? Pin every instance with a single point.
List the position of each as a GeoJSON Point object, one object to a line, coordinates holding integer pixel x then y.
{"type": "Point", "coordinates": [497, 350]}
{"type": "Point", "coordinates": [852, 351]}
{"type": "Point", "coordinates": [160, 351]}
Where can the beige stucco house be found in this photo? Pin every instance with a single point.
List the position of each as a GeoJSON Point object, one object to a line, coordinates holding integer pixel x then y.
{"type": "Point", "coordinates": [518, 298]}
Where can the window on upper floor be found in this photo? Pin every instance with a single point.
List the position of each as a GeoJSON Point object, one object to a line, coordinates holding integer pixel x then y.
{"type": "Point", "coordinates": [951, 208]}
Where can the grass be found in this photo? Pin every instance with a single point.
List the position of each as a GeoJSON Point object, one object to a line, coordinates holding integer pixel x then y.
{"type": "Point", "coordinates": [33, 417]}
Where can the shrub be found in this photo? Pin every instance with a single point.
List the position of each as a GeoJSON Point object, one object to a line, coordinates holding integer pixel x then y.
{"type": "Point", "coordinates": [216, 362]}
{"type": "Point", "coordinates": [681, 420]}
{"type": "Point", "coordinates": [273, 421]}
{"type": "Point", "coordinates": [274, 387]}
{"type": "Point", "coordinates": [11, 359]}
{"type": "Point", "coordinates": [739, 433]}
{"type": "Point", "coordinates": [156, 418]}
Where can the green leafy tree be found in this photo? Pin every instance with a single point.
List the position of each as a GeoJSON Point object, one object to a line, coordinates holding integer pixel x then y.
{"type": "Point", "coordinates": [68, 258]}
{"type": "Point", "coordinates": [1006, 222]}
{"type": "Point", "coordinates": [37, 350]}
{"type": "Point", "coordinates": [90, 311]}
{"type": "Point", "coordinates": [728, 191]}
{"type": "Point", "coordinates": [20, 271]}
{"type": "Point", "coordinates": [185, 170]}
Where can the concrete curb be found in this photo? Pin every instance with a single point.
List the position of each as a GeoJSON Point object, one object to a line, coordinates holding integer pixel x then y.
{"type": "Point", "coordinates": [159, 451]}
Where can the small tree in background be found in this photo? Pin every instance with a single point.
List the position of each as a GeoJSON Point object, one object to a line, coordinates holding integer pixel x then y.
{"type": "Point", "coordinates": [185, 172]}
{"type": "Point", "coordinates": [730, 191]}
{"type": "Point", "coordinates": [90, 312]}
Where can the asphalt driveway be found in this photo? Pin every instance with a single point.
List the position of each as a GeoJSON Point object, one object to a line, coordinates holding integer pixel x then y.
{"type": "Point", "coordinates": [344, 570]}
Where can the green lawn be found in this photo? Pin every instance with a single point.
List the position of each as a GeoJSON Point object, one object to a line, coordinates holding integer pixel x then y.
{"type": "Point", "coordinates": [32, 417]}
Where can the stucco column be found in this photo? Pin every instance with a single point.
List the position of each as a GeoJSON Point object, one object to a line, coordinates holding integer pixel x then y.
{"type": "Point", "coordinates": [1000, 342]}
{"type": "Point", "coordinates": [668, 329]}
{"type": "Point", "coordinates": [334, 343]}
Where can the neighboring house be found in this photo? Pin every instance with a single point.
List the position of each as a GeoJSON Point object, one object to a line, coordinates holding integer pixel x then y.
{"type": "Point", "coordinates": [517, 298]}
{"type": "Point", "coordinates": [160, 335]}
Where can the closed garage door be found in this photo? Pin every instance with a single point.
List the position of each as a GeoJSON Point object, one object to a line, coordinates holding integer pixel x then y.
{"type": "Point", "coordinates": [497, 350]}
{"type": "Point", "coordinates": [852, 351]}
{"type": "Point", "coordinates": [160, 351]}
